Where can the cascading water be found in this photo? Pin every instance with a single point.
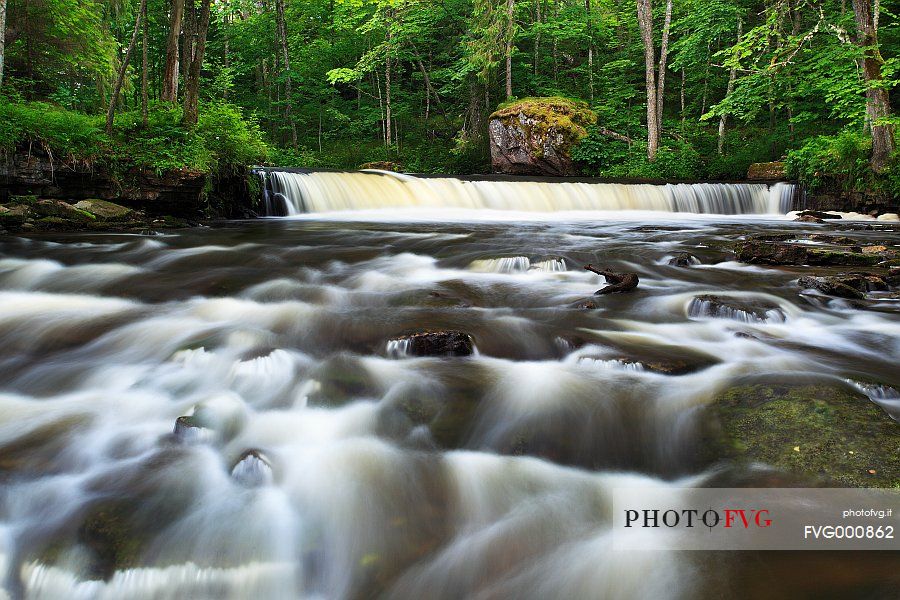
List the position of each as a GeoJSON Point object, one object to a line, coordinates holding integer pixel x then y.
{"type": "Point", "coordinates": [234, 412]}
{"type": "Point", "coordinates": [294, 193]}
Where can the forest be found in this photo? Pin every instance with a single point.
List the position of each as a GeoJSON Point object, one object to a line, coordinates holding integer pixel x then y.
{"type": "Point", "coordinates": [694, 89]}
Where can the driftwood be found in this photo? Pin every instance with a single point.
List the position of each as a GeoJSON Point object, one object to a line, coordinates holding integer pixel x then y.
{"type": "Point", "coordinates": [619, 282]}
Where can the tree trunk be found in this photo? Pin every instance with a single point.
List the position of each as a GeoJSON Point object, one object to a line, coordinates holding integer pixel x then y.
{"type": "Point", "coordinates": [878, 104]}
{"type": "Point", "coordinates": [111, 112]}
{"type": "Point", "coordinates": [282, 34]}
{"type": "Point", "coordinates": [663, 57]}
{"type": "Point", "coordinates": [2, 36]}
{"type": "Point", "coordinates": [645, 20]}
{"type": "Point", "coordinates": [537, 36]}
{"type": "Point", "coordinates": [144, 65]}
{"type": "Point", "coordinates": [723, 119]}
{"type": "Point", "coordinates": [510, 25]}
{"type": "Point", "coordinates": [192, 82]}
{"type": "Point", "coordinates": [681, 91]}
{"type": "Point", "coordinates": [590, 28]}
{"type": "Point", "coordinates": [170, 75]}
{"type": "Point", "coordinates": [387, 85]}
{"type": "Point", "coordinates": [188, 39]}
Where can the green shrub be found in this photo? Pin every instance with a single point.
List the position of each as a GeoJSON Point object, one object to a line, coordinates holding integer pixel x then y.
{"type": "Point", "coordinates": [841, 158]}
{"type": "Point", "coordinates": [224, 140]}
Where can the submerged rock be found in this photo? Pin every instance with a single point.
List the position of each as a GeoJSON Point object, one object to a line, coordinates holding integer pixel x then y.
{"type": "Point", "coordinates": [618, 282]}
{"type": "Point", "coordinates": [432, 343]}
{"type": "Point", "coordinates": [769, 251]}
{"type": "Point", "coordinates": [534, 136]}
{"type": "Point", "coordinates": [188, 430]}
{"type": "Point", "coordinates": [853, 285]}
{"type": "Point", "coordinates": [738, 309]}
{"type": "Point", "coordinates": [819, 431]}
{"type": "Point", "coordinates": [253, 469]}
{"type": "Point", "coordinates": [818, 214]}
{"type": "Point", "coordinates": [684, 259]}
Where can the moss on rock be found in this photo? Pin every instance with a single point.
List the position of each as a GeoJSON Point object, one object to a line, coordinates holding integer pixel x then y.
{"type": "Point", "coordinates": [819, 431]}
{"type": "Point", "coordinates": [535, 135]}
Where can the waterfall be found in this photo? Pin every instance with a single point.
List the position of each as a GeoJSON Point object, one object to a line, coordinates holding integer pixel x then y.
{"type": "Point", "coordinates": [293, 193]}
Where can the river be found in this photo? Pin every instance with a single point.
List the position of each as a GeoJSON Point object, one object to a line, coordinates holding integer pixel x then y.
{"type": "Point", "coordinates": [315, 459]}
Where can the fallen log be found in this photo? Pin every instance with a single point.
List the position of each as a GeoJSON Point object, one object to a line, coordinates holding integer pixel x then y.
{"type": "Point", "coordinates": [619, 282]}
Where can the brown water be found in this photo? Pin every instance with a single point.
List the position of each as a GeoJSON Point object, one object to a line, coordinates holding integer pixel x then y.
{"type": "Point", "coordinates": [379, 475]}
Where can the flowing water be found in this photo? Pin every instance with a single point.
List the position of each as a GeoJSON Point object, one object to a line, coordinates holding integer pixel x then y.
{"type": "Point", "coordinates": [313, 457]}
{"type": "Point", "coordinates": [294, 193]}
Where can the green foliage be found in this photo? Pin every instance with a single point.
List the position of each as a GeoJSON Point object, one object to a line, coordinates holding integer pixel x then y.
{"type": "Point", "coordinates": [66, 134]}
{"type": "Point", "coordinates": [223, 141]}
{"type": "Point", "coordinates": [843, 158]}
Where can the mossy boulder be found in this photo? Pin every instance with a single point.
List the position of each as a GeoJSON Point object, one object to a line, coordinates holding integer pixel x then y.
{"type": "Point", "coordinates": [534, 136]}
{"type": "Point", "coordinates": [824, 433]}
{"type": "Point", "coordinates": [770, 171]}
{"type": "Point", "coordinates": [106, 211]}
{"type": "Point", "coordinates": [382, 165]}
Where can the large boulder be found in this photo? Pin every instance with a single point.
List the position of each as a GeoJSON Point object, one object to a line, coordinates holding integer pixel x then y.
{"type": "Point", "coordinates": [534, 136]}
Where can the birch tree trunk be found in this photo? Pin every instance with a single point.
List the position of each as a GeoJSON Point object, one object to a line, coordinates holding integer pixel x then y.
{"type": "Point", "coordinates": [387, 85]}
{"type": "Point", "coordinates": [170, 73]}
{"type": "Point", "coordinates": [2, 37]}
{"type": "Point", "coordinates": [510, 24]}
{"type": "Point", "coordinates": [645, 20]}
{"type": "Point", "coordinates": [590, 28]}
{"type": "Point", "coordinates": [663, 57]}
{"type": "Point", "coordinates": [731, 78]}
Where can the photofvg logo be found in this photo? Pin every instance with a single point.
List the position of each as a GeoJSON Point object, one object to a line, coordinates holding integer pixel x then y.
{"type": "Point", "coordinates": [670, 518]}
{"type": "Point", "coordinates": [690, 517]}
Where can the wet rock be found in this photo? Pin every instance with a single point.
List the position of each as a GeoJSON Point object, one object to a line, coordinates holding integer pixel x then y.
{"type": "Point", "coordinates": [61, 210]}
{"type": "Point", "coordinates": [105, 210]}
{"type": "Point", "coordinates": [839, 240]}
{"type": "Point", "coordinates": [738, 309]}
{"type": "Point", "coordinates": [853, 285]}
{"type": "Point", "coordinates": [432, 343]}
{"type": "Point", "coordinates": [769, 171]}
{"type": "Point", "coordinates": [13, 216]}
{"type": "Point", "coordinates": [440, 299]}
{"type": "Point", "coordinates": [586, 304]}
{"type": "Point", "coordinates": [840, 433]}
{"type": "Point", "coordinates": [758, 250]}
{"type": "Point", "coordinates": [809, 219]}
{"type": "Point", "coordinates": [189, 430]}
{"type": "Point", "coordinates": [684, 259]}
{"type": "Point", "coordinates": [253, 469]}
{"type": "Point", "coordinates": [874, 249]}
{"type": "Point", "coordinates": [818, 214]}
{"type": "Point", "coordinates": [534, 136]}
{"type": "Point", "coordinates": [114, 537]}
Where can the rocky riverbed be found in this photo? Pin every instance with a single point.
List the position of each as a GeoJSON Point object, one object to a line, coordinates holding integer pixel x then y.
{"type": "Point", "coordinates": [338, 408]}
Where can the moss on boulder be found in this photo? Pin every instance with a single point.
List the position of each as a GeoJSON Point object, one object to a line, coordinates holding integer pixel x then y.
{"type": "Point", "coordinates": [822, 432]}
{"type": "Point", "coordinates": [534, 136]}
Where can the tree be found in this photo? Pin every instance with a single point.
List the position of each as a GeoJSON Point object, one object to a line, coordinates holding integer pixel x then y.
{"type": "Point", "coordinates": [170, 73]}
{"type": "Point", "coordinates": [645, 22]}
{"type": "Point", "coordinates": [723, 119]}
{"type": "Point", "coordinates": [282, 35]}
{"type": "Point", "coordinates": [878, 103]}
{"type": "Point", "coordinates": [2, 37]}
{"type": "Point", "coordinates": [110, 113]}
{"type": "Point", "coordinates": [510, 38]}
{"type": "Point", "coordinates": [192, 81]}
